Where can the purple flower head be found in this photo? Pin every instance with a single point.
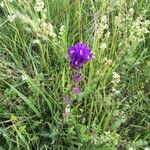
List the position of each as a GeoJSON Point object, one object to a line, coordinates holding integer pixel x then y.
{"type": "Point", "coordinates": [76, 77]}
{"type": "Point", "coordinates": [67, 100]}
{"type": "Point", "coordinates": [76, 90]}
{"type": "Point", "coordinates": [79, 54]}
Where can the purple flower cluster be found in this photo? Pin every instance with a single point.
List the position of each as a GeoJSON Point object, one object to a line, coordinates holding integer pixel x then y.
{"type": "Point", "coordinates": [79, 54]}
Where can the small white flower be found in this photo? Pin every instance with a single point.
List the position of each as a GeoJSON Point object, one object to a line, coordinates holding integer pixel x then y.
{"type": "Point", "coordinates": [104, 19]}
{"type": "Point", "coordinates": [44, 16]}
{"type": "Point", "coordinates": [131, 10]}
{"type": "Point", "coordinates": [52, 34]}
{"type": "Point", "coordinates": [47, 29]}
{"type": "Point", "coordinates": [95, 141]}
{"type": "Point", "coordinates": [116, 75]}
{"type": "Point", "coordinates": [117, 92]}
{"type": "Point", "coordinates": [105, 59]}
{"type": "Point", "coordinates": [147, 148]}
{"type": "Point", "coordinates": [108, 62]}
{"type": "Point", "coordinates": [62, 30]}
{"type": "Point", "coordinates": [107, 35]}
{"type": "Point", "coordinates": [67, 110]}
{"type": "Point", "coordinates": [24, 78]}
{"type": "Point", "coordinates": [116, 78]}
{"type": "Point", "coordinates": [2, 4]}
{"type": "Point", "coordinates": [36, 41]}
{"type": "Point", "coordinates": [103, 46]}
{"type": "Point", "coordinates": [39, 6]}
{"type": "Point", "coordinates": [107, 133]}
{"type": "Point", "coordinates": [12, 17]}
{"type": "Point", "coordinates": [131, 148]}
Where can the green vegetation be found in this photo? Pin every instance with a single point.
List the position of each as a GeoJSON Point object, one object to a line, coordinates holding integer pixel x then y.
{"type": "Point", "coordinates": [112, 110]}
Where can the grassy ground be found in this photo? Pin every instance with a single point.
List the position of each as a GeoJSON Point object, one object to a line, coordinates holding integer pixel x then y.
{"type": "Point", "coordinates": [112, 110]}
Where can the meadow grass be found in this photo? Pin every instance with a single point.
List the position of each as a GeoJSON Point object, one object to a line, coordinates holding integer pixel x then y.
{"type": "Point", "coordinates": [111, 111]}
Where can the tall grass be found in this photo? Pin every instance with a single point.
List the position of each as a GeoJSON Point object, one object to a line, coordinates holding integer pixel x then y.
{"type": "Point", "coordinates": [112, 110]}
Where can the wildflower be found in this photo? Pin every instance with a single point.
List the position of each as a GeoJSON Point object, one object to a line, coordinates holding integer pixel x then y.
{"type": "Point", "coordinates": [131, 148]}
{"type": "Point", "coordinates": [36, 41]}
{"type": "Point", "coordinates": [116, 78]}
{"type": "Point", "coordinates": [103, 46]}
{"type": "Point", "coordinates": [76, 90]}
{"type": "Point", "coordinates": [67, 112]}
{"type": "Point", "coordinates": [115, 81]}
{"type": "Point", "coordinates": [116, 75]}
{"type": "Point", "coordinates": [131, 10]}
{"type": "Point", "coordinates": [102, 26]}
{"type": "Point", "coordinates": [2, 4]}
{"type": "Point", "coordinates": [147, 148]}
{"type": "Point", "coordinates": [12, 17]}
{"type": "Point", "coordinates": [118, 20]}
{"type": "Point", "coordinates": [107, 35]}
{"type": "Point", "coordinates": [76, 77]}
{"type": "Point", "coordinates": [67, 100]}
{"type": "Point", "coordinates": [116, 92]}
{"type": "Point", "coordinates": [47, 29]}
{"type": "Point", "coordinates": [62, 30]}
{"type": "Point", "coordinates": [107, 62]}
{"type": "Point", "coordinates": [24, 78]}
{"type": "Point", "coordinates": [107, 133]}
{"type": "Point", "coordinates": [95, 141]}
{"type": "Point", "coordinates": [39, 6]}
{"type": "Point", "coordinates": [104, 19]}
{"type": "Point", "coordinates": [79, 54]}
{"type": "Point", "coordinates": [138, 29]}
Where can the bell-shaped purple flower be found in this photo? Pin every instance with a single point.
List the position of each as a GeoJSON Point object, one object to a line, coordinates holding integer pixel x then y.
{"type": "Point", "coordinates": [76, 90]}
{"type": "Point", "coordinates": [79, 54]}
{"type": "Point", "coordinates": [67, 100]}
{"type": "Point", "coordinates": [76, 78]}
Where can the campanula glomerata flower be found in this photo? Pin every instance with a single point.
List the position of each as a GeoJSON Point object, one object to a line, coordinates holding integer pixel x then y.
{"type": "Point", "coordinates": [67, 100]}
{"type": "Point", "coordinates": [79, 54]}
{"type": "Point", "coordinates": [76, 90]}
{"type": "Point", "coordinates": [77, 78]}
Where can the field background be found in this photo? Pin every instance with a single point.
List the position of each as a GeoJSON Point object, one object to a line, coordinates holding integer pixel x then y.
{"type": "Point", "coordinates": [112, 110]}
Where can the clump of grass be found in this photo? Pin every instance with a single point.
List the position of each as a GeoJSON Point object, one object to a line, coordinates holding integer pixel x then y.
{"type": "Point", "coordinates": [112, 110]}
